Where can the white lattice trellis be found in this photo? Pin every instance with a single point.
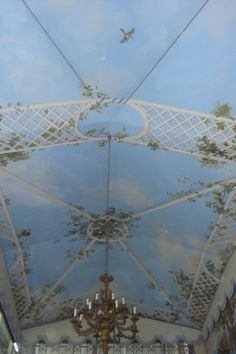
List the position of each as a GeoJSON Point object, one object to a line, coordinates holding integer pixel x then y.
{"type": "Point", "coordinates": [180, 130]}
{"type": "Point", "coordinates": [45, 125]}
{"type": "Point", "coordinates": [206, 282]}
{"type": "Point", "coordinates": [26, 127]}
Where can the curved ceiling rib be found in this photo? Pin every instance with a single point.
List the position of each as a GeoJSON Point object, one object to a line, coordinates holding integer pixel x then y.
{"type": "Point", "coordinates": [17, 273]}
{"type": "Point", "coordinates": [143, 269]}
{"type": "Point", "coordinates": [45, 299]}
{"type": "Point", "coordinates": [205, 283]}
{"type": "Point", "coordinates": [47, 195]}
{"type": "Point", "coordinates": [188, 195]}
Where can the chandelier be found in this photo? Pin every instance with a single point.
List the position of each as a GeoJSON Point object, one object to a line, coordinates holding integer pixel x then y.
{"type": "Point", "coordinates": [106, 318]}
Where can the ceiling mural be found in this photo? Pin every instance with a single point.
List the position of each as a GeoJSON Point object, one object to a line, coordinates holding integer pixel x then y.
{"type": "Point", "coordinates": [105, 158]}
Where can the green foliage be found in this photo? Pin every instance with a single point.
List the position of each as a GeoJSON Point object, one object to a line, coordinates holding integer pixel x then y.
{"type": "Point", "coordinates": [225, 255]}
{"type": "Point", "coordinates": [13, 142]}
{"type": "Point", "coordinates": [150, 286]}
{"type": "Point", "coordinates": [208, 162]}
{"type": "Point", "coordinates": [91, 132]}
{"type": "Point", "coordinates": [226, 329]}
{"type": "Point", "coordinates": [97, 106]}
{"type": "Point", "coordinates": [220, 125]}
{"type": "Point", "coordinates": [219, 197]}
{"type": "Point", "coordinates": [209, 147]}
{"type": "Point", "coordinates": [93, 93]}
{"type": "Point", "coordinates": [206, 146]}
{"type": "Point", "coordinates": [121, 215]}
{"type": "Point", "coordinates": [52, 133]}
{"type": "Point", "coordinates": [5, 159]}
{"type": "Point", "coordinates": [185, 194]}
{"type": "Point", "coordinates": [120, 135]}
{"type": "Point", "coordinates": [7, 201]}
{"type": "Point", "coordinates": [37, 308]}
{"type": "Point", "coordinates": [102, 132]}
{"type": "Point", "coordinates": [223, 346]}
{"type": "Point", "coordinates": [222, 109]}
{"type": "Point", "coordinates": [72, 123]}
{"type": "Point", "coordinates": [24, 233]}
{"type": "Point", "coordinates": [153, 144]}
{"type": "Point", "coordinates": [25, 250]}
{"type": "Point", "coordinates": [71, 255]}
{"type": "Point", "coordinates": [83, 115]}
{"type": "Point", "coordinates": [102, 143]}
{"type": "Point", "coordinates": [87, 90]}
{"type": "Point", "coordinates": [78, 225]}
{"type": "Point", "coordinates": [185, 282]}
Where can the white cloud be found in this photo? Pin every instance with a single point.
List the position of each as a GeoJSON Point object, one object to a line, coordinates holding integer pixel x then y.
{"type": "Point", "coordinates": [130, 193]}
{"type": "Point", "coordinates": [22, 196]}
{"type": "Point", "coordinates": [157, 22]}
{"type": "Point", "coordinates": [218, 18]}
{"type": "Point", "coordinates": [172, 254]}
{"type": "Point", "coordinates": [91, 22]}
{"type": "Point", "coordinates": [187, 240]}
{"type": "Point", "coordinates": [28, 70]}
{"type": "Point", "coordinates": [114, 82]}
{"type": "Point", "coordinates": [31, 69]}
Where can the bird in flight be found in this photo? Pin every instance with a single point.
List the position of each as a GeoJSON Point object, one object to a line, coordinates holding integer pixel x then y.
{"type": "Point", "coordinates": [127, 35]}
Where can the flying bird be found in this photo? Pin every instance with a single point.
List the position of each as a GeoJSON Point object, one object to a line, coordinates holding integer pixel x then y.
{"type": "Point", "coordinates": [127, 35]}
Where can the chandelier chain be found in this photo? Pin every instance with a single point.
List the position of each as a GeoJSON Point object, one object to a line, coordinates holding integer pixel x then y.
{"type": "Point", "coordinates": [107, 319]}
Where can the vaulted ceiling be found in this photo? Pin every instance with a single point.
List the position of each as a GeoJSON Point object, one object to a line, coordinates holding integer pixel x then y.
{"type": "Point", "coordinates": [106, 158]}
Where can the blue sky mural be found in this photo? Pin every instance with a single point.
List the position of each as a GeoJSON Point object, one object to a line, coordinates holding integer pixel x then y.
{"type": "Point", "coordinates": [166, 203]}
{"type": "Point", "coordinates": [198, 71]}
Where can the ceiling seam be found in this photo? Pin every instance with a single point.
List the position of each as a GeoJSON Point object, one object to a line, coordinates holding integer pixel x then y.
{"type": "Point", "coordinates": [167, 51]}
{"type": "Point", "coordinates": [53, 42]}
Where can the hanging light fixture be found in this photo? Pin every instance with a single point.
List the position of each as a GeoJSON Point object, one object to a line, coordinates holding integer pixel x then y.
{"type": "Point", "coordinates": [106, 318]}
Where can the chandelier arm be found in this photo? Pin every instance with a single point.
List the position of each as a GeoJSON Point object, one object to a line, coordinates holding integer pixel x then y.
{"type": "Point", "coordinates": [121, 334]}
{"type": "Point", "coordinates": [81, 332]}
{"type": "Point", "coordinates": [91, 323]}
{"type": "Point", "coordinates": [84, 332]}
{"type": "Point", "coordinates": [121, 323]}
{"type": "Point", "coordinates": [128, 328]}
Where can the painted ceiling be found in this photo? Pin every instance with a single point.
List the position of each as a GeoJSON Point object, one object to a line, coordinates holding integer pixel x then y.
{"type": "Point", "coordinates": [112, 153]}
